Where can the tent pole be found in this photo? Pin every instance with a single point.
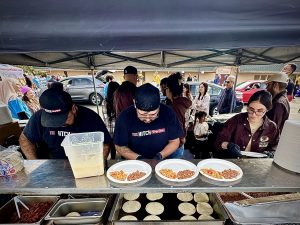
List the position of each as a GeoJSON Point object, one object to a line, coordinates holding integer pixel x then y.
{"type": "Point", "coordinates": [95, 91]}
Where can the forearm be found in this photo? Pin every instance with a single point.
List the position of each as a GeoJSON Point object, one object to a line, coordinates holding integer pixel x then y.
{"type": "Point", "coordinates": [126, 152]}
{"type": "Point", "coordinates": [27, 147]}
{"type": "Point", "coordinates": [105, 150]}
{"type": "Point", "coordinates": [171, 147]}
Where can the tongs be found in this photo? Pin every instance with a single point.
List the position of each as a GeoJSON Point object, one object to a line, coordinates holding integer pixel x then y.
{"type": "Point", "coordinates": [17, 200]}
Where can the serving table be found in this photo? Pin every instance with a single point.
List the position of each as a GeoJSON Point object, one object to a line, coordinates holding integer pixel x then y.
{"type": "Point", "coordinates": [54, 177]}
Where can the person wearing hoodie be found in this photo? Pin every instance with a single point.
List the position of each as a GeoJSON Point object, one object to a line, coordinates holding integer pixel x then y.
{"type": "Point", "coordinates": [179, 104]}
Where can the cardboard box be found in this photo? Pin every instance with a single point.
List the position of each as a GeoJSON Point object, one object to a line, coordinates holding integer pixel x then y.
{"type": "Point", "coordinates": [9, 129]}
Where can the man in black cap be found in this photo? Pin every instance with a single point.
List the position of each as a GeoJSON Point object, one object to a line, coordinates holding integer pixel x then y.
{"type": "Point", "coordinates": [148, 129]}
{"type": "Point", "coordinates": [59, 117]}
{"type": "Point", "coordinates": [123, 96]}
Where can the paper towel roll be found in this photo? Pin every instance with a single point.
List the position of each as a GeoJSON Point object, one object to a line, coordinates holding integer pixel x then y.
{"type": "Point", "coordinates": [5, 116]}
{"type": "Point", "coordinates": [287, 154]}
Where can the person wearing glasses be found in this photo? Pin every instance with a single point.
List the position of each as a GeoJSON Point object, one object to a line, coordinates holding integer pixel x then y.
{"type": "Point", "coordinates": [280, 111]}
{"type": "Point", "coordinates": [226, 104]}
{"type": "Point", "coordinates": [250, 131]}
{"type": "Point", "coordinates": [148, 129]}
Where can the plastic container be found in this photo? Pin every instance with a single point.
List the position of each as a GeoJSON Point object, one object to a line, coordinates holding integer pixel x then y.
{"type": "Point", "coordinates": [85, 153]}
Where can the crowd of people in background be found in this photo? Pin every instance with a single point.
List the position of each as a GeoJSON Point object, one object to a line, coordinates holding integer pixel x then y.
{"type": "Point", "coordinates": [22, 94]}
{"type": "Point", "coordinates": [146, 123]}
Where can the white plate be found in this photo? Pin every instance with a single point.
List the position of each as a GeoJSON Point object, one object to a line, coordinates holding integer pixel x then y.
{"type": "Point", "coordinates": [253, 154]}
{"type": "Point", "coordinates": [129, 166]}
{"type": "Point", "coordinates": [176, 165]}
{"type": "Point", "coordinates": [219, 165]}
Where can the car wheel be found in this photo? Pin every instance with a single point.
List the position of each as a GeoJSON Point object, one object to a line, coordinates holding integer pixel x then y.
{"type": "Point", "coordinates": [213, 111]}
{"type": "Point", "coordinates": [94, 99]}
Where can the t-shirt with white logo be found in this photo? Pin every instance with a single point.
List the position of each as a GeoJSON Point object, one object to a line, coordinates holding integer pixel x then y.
{"type": "Point", "coordinates": [86, 120]}
{"type": "Point", "coordinates": [147, 139]}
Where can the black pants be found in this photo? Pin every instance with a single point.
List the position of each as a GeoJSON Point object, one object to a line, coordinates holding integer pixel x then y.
{"type": "Point", "coordinates": [201, 149]}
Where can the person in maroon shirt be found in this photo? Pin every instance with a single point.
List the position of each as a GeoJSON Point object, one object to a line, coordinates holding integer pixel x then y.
{"type": "Point", "coordinates": [250, 131]}
{"type": "Point", "coordinates": [280, 110]}
{"type": "Point", "coordinates": [123, 96]}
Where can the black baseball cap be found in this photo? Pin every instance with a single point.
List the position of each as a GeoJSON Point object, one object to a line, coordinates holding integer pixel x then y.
{"type": "Point", "coordinates": [147, 97]}
{"type": "Point", "coordinates": [56, 105]}
{"type": "Point", "coordinates": [130, 70]}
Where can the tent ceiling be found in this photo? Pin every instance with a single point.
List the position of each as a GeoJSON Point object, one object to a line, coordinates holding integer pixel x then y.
{"type": "Point", "coordinates": [148, 34]}
{"type": "Point", "coordinates": [155, 60]}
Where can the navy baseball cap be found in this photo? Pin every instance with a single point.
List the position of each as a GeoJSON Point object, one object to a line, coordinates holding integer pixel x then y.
{"type": "Point", "coordinates": [147, 97]}
{"type": "Point", "coordinates": [130, 70]}
{"type": "Point", "coordinates": [56, 105]}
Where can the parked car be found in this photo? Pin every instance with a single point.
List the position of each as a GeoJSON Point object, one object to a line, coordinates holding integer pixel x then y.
{"type": "Point", "coordinates": [215, 94]}
{"type": "Point", "coordinates": [81, 88]}
{"type": "Point", "coordinates": [248, 88]}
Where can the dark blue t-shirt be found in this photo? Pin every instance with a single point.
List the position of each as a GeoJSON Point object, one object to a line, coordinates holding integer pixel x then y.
{"type": "Point", "coordinates": [147, 139]}
{"type": "Point", "coordinates": [86, 120]}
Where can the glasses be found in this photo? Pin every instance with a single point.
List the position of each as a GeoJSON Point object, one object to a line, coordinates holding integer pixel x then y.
{"type": "Point", "coordinates": [259, 112]}
{"type": "Point", "coordinates": [152, 116]}
{"type": "Point", "coordinates": [227, 81]}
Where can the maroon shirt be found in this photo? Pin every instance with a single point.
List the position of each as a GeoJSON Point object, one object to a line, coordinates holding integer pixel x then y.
{"type": "Point", "coordinates": [237, 130]}
{"type": "Point", "coordinates": [280, 110]}
{"type": "Point", "coordinates": [123, 97]}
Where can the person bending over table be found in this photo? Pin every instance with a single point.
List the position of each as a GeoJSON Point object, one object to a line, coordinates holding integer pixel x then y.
{"type": "Point", "coordinates": [59, 117]}
{"type": "Point", "coordinates": [250, 131]}
{"type": "Point", "coordinates": [148, 129]}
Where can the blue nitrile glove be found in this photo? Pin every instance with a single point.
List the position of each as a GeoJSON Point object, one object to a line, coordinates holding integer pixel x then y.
{"type": "Point", "coordinates": [158, 156]}
{"type": "Point", "coordinates": [234, 150]}
{"type": "Point", "coordinates": [270, 154]}
{"type": "Point", "coordinates": [140, 157]}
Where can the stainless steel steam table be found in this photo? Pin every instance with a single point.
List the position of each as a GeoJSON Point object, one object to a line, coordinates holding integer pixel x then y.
{"type": "Point", "coordinates": [47, 177]}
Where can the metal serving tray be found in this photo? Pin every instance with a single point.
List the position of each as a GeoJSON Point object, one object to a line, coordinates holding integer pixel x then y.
{"type": "Point", "coordinates": [168, 217]}
{"type": "Point", "coordinates": [65, 206]}
{"type": "Point", "coordinates": [277, 212]}
{"type": "Point", "coordinates": [7, 210]}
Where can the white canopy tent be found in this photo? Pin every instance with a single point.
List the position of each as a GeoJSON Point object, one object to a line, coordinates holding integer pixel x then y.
{"type": "Point", "coordinates": [10, 71]}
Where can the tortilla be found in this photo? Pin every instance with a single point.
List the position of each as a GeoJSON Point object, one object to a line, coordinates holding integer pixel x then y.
{"type": "Point", "coordinates": [186, 208]}
{"type": "Point", "coordinates": [205, 217]}
{"type": "Point", "coordinates": [154, 196]}
{"type": "Point", "coordinates": [185, 197]}
{"type": "Point", "coordinates": [131, 206]}
{"type": "Point", "coordinates": [201, 197]}
{"type": "Point", "coordinates": [204, 208]}
{"type": "Point", "coordinates": [131, 196]}
{"type": "Point", "coordinates": [128, 217]}
{"type": "Point", "coordinates": [188, 218]}
{"type": "Point", "coordinates": [155, 208]}
{"type": "Point", "coordinates": [73, 214]}
{"type": "Point", "coordinates": [152, 217]}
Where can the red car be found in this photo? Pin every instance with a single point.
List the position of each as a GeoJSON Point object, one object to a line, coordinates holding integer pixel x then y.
{"type": "Point", "coordinates": [248, 88]}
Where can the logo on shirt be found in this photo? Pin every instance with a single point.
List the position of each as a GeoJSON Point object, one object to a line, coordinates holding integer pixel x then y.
{"type": "Point", "coordinates": [263, 141]}
{"type": "Point", "coordinates": [148, 132]}
{"type": "Point", "coordinates": [63, 133]}
{"type": "Point", "coordinates": [59, 133]}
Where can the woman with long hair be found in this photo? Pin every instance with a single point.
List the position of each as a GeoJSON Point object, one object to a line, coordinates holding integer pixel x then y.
{"type": "Point", "coordinates": [187, 92]}
{"type": "Point", "coordinates": [202, 100]}
{"type": "Point", "coordinates": [250, 131]}
{"type": "Point", "coordinates": [180, 105]}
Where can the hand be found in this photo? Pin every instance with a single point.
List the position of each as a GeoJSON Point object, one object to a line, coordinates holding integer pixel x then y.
{"type": "Point", "coordinates": [158, 156]}
{"type": "Point", "coordinates": [234, 150]}
{"type": "Point", "coordinates": [140, 157]}
{"type": "Point", "coordinates": [270, 154]}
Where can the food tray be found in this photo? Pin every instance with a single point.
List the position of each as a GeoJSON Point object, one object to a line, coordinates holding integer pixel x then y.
{"type": "Point", "coordinates": [65, 206]}
{"type": "Point", "coordinates": [170, 203]}
{"type": "Point", "coordinates": [9, 208]}
{"type": "Point", "coordinates": [253, 212]}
